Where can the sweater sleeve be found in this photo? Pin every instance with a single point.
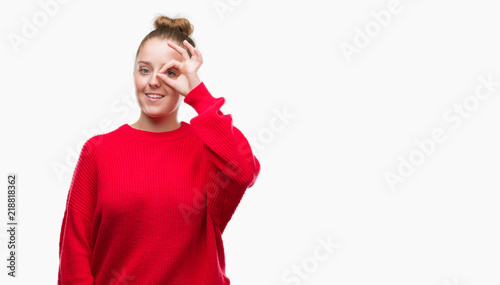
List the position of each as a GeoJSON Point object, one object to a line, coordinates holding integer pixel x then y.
{"type": "Point", "coordinates": [228, 150]}
{"type": "Point", "coordinates": [74, 243]}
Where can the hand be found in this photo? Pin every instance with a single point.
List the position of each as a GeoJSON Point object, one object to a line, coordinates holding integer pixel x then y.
{"type": "Point", "coordinates": [188, 79]}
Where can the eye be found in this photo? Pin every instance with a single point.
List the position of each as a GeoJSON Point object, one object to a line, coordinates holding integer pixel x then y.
{"type": "Point", "coordinates": [143, 70]}
{"type": "Point", "coordinates": [170, 73]}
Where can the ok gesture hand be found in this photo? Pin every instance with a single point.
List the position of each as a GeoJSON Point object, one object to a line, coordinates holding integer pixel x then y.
{"type": "Point", "coordinates": [188, 79]}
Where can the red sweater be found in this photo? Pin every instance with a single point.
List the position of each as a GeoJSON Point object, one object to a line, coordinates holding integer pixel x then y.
{"type": "Point", "coordinates": [150, 208]}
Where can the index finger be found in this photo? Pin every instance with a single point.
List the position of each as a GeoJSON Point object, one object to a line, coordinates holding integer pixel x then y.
{"type": "Point", "coordinates": [173, 63]}
{"type": "Point", "coordinates": [180, 50]}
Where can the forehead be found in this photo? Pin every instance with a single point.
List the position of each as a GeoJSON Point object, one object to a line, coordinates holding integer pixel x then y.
{"type": "Point", "coordinates": [157, 52]}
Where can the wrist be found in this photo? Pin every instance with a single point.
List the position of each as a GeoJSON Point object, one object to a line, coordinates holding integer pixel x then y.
{"type": "Point", "coordinates": [193, 82]}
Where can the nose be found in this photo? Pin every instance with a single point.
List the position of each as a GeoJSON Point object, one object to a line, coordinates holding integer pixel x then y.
{"type": "Point", "coordinates": [153, 81]}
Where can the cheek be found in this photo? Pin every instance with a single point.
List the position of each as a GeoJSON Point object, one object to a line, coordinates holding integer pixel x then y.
{"type": "Point", "coordinates": [139, 82]}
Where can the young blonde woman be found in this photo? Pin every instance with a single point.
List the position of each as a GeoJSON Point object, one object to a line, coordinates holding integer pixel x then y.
{"type": "Point", "coordinates": [148, 202]}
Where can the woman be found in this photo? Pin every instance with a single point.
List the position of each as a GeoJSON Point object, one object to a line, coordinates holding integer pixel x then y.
{"type": "Point", "coordinates": [148, 202]}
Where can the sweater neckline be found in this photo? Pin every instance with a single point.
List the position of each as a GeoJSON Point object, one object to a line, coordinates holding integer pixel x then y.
{"type": "Point", "coordinates": [156, 136]}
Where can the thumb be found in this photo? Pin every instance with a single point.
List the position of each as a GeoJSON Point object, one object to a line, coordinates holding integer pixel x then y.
{"type": "Point", "coordinates": [166, 79]}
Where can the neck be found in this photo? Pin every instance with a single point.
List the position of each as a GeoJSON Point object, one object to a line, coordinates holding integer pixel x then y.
{"type": "Point", "coordinates": [157, 124]}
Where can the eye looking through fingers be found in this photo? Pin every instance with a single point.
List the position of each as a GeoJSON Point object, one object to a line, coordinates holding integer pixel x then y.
{"type": "Point", "coordinates": [171, 72]}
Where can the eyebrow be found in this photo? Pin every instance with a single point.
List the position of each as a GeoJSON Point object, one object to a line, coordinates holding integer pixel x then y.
{"type": "Point", "coordinates": [149, 63]}
{"type": "Point", "coordinates": [145, 62]}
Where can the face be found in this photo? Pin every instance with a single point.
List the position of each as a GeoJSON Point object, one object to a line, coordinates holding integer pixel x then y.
{"type": "Point", "coordinates": [153, 55]}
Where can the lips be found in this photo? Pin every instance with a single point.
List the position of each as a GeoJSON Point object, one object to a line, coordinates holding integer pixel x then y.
{"type": "Point", "coordinates": [154, 99]}
{"type": "Point", "coordinates": [148, 93]}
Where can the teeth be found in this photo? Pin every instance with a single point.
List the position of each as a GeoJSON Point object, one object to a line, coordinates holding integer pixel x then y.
{"type": "Point", "coordinates": [154, 96]}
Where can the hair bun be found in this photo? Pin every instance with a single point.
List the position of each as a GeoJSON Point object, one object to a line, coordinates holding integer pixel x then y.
{"type": "Point", "coordinates": [181, 24]}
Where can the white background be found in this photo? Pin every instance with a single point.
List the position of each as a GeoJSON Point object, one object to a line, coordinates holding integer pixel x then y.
{"type": "Point", "coordinates": [352, 119]}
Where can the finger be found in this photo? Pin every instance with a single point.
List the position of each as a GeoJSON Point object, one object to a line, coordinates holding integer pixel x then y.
{"type": "Point", "coordinates": [191, 48]}
{"type": "Point", "coordinates": [165, 79]}
{"type": "Point", "coordinates": [171, 64]}
{"type": "Point", "coordinates": [180, 50]}
{"type": "Point", "coordinates": [196, 53]}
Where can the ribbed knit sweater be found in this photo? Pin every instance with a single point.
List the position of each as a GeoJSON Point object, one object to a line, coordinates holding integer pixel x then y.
{"type": "Point", "coordinates": [150, 207]}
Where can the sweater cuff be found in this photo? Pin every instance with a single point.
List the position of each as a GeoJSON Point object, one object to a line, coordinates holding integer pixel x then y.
{"type": "Point", "coordinates": [200, 98]}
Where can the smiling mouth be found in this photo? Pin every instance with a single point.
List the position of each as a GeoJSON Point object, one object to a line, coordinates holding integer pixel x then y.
{"type": "Point", "coordinates": [154, 97]}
